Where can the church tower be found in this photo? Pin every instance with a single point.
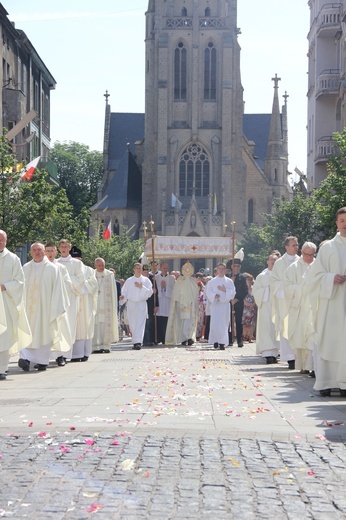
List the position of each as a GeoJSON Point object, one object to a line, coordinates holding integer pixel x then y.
{"type": "Point", "coordinates": [193, 176]}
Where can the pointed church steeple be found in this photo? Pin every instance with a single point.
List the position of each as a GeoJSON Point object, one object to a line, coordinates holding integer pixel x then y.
{"type": "Point", "coordinates": [275, 141]}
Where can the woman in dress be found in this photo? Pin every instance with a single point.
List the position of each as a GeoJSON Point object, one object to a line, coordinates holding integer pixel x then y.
{"type": "Point", "coordinates": [250, 311]}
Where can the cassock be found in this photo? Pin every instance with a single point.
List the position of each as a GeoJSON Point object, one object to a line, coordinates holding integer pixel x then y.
{"type": "Point", "coordinates": [17, 334]}
{"type": "Point", "coordinates": [266, 342]}
{"type": "Point", "coordinates": [183, 314]}
{"type": "Point", "coordinates": [63, 345]}
{"type": "Point", "coordinates": [219, 308]}
{"type": "Point", "coordinates": [165, 297]}
{"type": "Point", "coordinates": [74, 268]}
{"type": "Point", "coordinates": [136, 300]}
{"type": "Point", "coordinates": [86, 314]}
{"type": "Point", "coordinates": [280, 305]}
{"type": "Point", "coordinates": [300, 326]}
{"type": "Point", "coordinates": [106, 318]}
{"type": "Point", "coordinates": [328, 302]}
{"type": "Point", "coordinates": [44, 303]}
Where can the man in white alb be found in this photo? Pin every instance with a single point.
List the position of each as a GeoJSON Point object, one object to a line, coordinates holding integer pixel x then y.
{"type": "Point", "coordinates": [106, 318]}
{"type": "Point", "coordinates": [219, 291]}
{"type": "Point", "coordinates": [279, 302]}
{"type": "Point", "coordinates": [267, 346]}
{"type": "Point", "coordinates": [44, 303]}
{"type": "Point", "coordinates": [15, 333]}
{"type": "Point", "coordinates": [165, 285]}
{"type": "Point", "coordinates": [135, 292]}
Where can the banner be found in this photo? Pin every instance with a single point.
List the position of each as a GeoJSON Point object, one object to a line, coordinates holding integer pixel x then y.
{"type": "Point", "coordinates": [189, 247]}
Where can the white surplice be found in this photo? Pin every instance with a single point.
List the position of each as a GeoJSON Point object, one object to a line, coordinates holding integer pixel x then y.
{"type": "Point", "coordinates": [136, 304]}
{"type": "Point", "coordinates": [183, 314]}
{"type": "Point", "coordinates": [219, 308]}
{"type": "Point", "coordinates": [266, 342]}
{"type": "Point", "coordinates": [86, 314]}
{"type": "Point", "coordinates": [106, 318]}
{"type": "Point", "coordinates": [328, 301]}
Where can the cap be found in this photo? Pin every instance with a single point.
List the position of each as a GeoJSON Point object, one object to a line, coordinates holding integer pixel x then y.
{"type": "Point", "coordinates": [75, 252]}
{"type": "Point", "coordinates": [145, 267]}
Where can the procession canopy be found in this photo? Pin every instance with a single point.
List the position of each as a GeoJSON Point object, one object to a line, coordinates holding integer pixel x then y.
{"type": "Point", "coordinates": [189, 247]}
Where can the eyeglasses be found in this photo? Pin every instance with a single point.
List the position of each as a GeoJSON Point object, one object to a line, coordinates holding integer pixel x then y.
{"type": "Point", "coordinates": [309, 255]}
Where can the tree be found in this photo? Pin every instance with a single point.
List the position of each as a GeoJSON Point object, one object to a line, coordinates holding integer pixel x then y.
{"type": "Point", "coordinates": [119, 252]}
{"type": "Point", "coordinates": [79, 173]}
{"type": "Point", "coordinates": [36, 209]}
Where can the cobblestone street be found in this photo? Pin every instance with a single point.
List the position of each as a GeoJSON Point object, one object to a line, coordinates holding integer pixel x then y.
{"type": "Point", "coordinates": [216, 440]}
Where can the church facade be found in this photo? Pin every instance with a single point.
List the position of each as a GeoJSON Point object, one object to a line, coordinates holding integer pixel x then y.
{"type": "Point", "coordinates": [194, 162]}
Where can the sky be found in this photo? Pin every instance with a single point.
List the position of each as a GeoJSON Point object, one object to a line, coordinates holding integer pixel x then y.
{"type": "Point", "coordinates": [90, 47]}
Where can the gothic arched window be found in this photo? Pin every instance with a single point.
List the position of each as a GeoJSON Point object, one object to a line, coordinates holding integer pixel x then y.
{"type": "Point", "coordinates": [180, 72]}
{"type": "Point", "coordinates": [194, 170]}
{"type": "Point", "coordinates": [250, 211]}
{"type": "Point", "coordinates": [207, 11]}
{"type": "Point", "coordinates": [184, 11]}
{"type": "Point", "coordinates": [210, 72]}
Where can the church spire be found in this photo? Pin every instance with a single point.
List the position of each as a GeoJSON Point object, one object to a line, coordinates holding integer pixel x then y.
{"type": "Point", "coordinates": [275, 142]}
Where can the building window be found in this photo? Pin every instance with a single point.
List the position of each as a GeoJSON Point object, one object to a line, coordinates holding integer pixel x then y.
{"type": "Point", "coordinates": [194, 172]}
{"type": "Point", "coordinates": [250, 211]}
{"type": "Point", "coordinates": [210, 72]}
{"type": "Point", "coordinates": [184, 11]}
{"type": "Point", "coordinates": [207, 11]}
{"type": "Point", "coordinates": [180, 72]}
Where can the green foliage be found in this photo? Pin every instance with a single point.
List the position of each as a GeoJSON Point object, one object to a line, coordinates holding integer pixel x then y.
{"type": "Point", "coordinates": [34, 210]}
{"type": "Point", "coordinates": [309, 217]}
{"type": "Point", "coordinates": [119, 252]}
{"type": "Point", "coordinates": [79, 173]}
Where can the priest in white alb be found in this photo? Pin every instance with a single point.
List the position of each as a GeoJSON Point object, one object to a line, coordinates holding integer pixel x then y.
{"type": "Point", "coordinates": [75, 272]}
{"type": "Point", "coordinates": [135, 293]}
{"type": "Point", "coordinates": [165, 285]}
{"type": "Point", "coordinates": [44, 303]}
{"type": "Point", "coordinates": [326, 282]}
{"type": "Point", "coordinates": [183, 314]}
{"type": "Point", "coordinates": [86, 312]}
{"type": "Point", "coordinates": [219, 291]}
{"type": "Point", "coordinates": [279, 302]}
{"type": "Point", "coordinates": [267, 346]}
{"type": "Point", "coordinates": [15, 332]}
{"type": "Point", "coordinates": [300, 319]}
{"type": "Point", "coordinates": [106, 319]}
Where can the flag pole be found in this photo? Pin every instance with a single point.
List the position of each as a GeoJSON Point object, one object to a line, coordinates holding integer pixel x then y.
{"type": "Point", "coordinates": [151, 223]}
{"type": "Point", "coordinates": [233, 223]}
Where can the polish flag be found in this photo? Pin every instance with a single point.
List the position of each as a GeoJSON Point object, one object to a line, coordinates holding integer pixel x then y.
{"type": "Point", "coordinates": [30, 168]}
{"type": "Point", "coordinates": [108, 231]}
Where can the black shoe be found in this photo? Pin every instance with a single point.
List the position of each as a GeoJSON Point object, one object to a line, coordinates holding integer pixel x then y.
{"type": "Point", "coordinates": [75, 360]}
{"type": "Point", "coordinates": [291, 364]}
{"type": "Point", "coordinates": [230, 344]}
{"type": "Point", "coordinates": [24, 364]}
{"type": "Point", "coordinates": [190, 342]}
{"type": "Point", "coordinates": [240, 345]}
{"type": "Point", "coordinates": [216, 345]}
{"type": "Point", "coordinates": [184, 343]}
{"type": "Point", "coordinates": [136, 346]}
{"type": "Point", "coordinates": [40, 367]}
{"type": "Point", "coordinates": [222, 346]}
{"type": "Point", "coordinates": [84, 358]}
{"type": "Point", "coordinates": [342, 392]}
{"type": "Point", "coordinates": [101, 351]}
{"type": "Point", "coordinates": [271, 360]}
{"type": "Point", "coordinates": [312, 374]}
{"type": "Point", "coordinates": [2, 377]}
{"type": "Point", "coordinates": [61, 361]}
{"type": "Point", "coordinates": [325, 393]}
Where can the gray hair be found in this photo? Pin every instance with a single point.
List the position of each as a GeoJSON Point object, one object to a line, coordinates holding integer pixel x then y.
{"type": "Point", "coordinates": [309, 245]}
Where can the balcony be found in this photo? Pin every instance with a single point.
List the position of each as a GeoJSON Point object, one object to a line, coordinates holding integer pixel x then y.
{"type": "Point", "coordinates": [328, 82]}
{"type": "Point", "coordinates": [50, 167]}
{"type": "Point", "coordinates": [329, 20]}
{"type": "Point", "coordinates": [325, 147]}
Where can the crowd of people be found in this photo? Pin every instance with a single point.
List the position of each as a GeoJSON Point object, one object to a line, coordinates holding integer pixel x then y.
{"type": "Point", "coordinates": [58, 309]}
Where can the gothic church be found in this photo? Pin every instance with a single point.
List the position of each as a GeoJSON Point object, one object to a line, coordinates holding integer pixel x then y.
{"type": "Point", "coordinates": [194, 161]}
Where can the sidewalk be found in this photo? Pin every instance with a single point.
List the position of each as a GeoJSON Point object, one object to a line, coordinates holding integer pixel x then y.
{"type": "Point", "coordinates": [170, 433]}
{"type": "Point", "coordinates": [173, 389]}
